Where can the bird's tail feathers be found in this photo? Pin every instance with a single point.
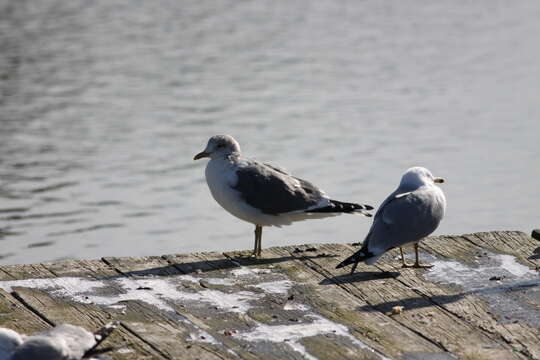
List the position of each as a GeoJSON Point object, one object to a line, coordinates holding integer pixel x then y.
{"type": "Point", "coordinates": [355, 258]}
{"type": "Point", "coordinates": [361, 255]}
{"type": "Point", "coordinates": [344, 207]}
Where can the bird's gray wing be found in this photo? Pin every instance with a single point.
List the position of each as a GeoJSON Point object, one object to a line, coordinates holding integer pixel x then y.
{"type": "Point", "coordinates": [9, 339]}
{"type": "Point", "coordinates": [77, 339]}
{"type": "Point", "coordinates": [404, 217]}
{"type": "Point", "coordinates": [41, 347]}
{"type": "Point", "coordinates": [277, 168]}
{"type": "Point", "coordinates": [273, 191]}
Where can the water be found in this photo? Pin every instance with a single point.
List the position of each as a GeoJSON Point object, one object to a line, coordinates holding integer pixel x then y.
{"type": "Point", "coordinates": [104, 103]}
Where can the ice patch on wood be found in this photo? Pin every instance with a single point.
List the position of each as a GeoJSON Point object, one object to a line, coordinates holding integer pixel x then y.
{"type": "Point", "coordinates": [204, 337]}
{"type": "Point", "coordinates": [509, 263]}
{"type": "Point", "coordinates": [292, 334]}
{"type": "Point", "coordinates": [124, 351]}
{"type": "Point", "coordinates": [294, 306]}
{"type": "Point", "coordinates": [67, 285]}
{"type": "Point", "coordinates": [504, 266]}
{"type": "Point", "coordinates": [166, 293]}
{"type": "Point", "coordinates": [275, 287]}
{"type": "Point", "coordinates": [212, 281]}
{"type": "Point", "coordinates": [245, 271]}
{"type": "Point", "coordinates": [158, 292]}
{"type": "Point", "coordinates": [220, 281]}
{"type": "Point", "coordinates": [508, 286]}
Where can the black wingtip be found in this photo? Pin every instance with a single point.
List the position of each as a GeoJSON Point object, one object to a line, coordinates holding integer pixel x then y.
{"type": "Point", "coordinates": [351, 259]}
{"type": "Point", "coordinates": [343, 207]}
{"type": "Point", "coordinates": [360, 255]}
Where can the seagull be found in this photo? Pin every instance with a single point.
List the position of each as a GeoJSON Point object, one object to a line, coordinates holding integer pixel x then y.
{"type": "Point", "coordinates": [262, 194]}
{"type": "Point", "coordinates": [409, 214]}
{"type": "Point", "coordinates": [63, 342]}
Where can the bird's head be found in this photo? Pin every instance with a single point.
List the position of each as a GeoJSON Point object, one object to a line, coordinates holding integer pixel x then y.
{"type": "Point", "coordinates": [219, 146]}
{"type": "Point", "coordinates": [418, 176]}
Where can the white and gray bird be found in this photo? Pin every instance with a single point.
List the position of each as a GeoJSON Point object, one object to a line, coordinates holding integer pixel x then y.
{"type": "Point", "coordinates": [409, 214]}
{"type": "Point", "coordinates": [63, 342]}
{"type": "Point", "coordinates": [262, 194]}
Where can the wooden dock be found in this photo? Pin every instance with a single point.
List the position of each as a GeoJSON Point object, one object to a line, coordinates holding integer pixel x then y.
{"type": "Point", "coordinates": [480, 301]}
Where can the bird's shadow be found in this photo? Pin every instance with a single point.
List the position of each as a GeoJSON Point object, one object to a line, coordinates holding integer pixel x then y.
{"type": "Point", "coordinates": [424, 301]}
{"type": "Point", "coordinates": [202, 266]}
{"type": "Point", "coordinates": [412, 303]}
{"type": "Point", "coordinates": [360, 277]}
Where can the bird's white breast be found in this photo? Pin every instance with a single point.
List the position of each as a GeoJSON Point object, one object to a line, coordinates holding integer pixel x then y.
{"type": "Point", "coordinates": [441, 199]}
{"type": "Point", "coordinates": [221, 178]}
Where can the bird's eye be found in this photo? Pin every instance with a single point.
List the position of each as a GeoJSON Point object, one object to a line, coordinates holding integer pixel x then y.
{"type": "Point", "coordinates": [220, 146]}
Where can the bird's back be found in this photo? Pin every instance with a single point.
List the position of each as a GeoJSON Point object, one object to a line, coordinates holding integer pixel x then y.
{"type": "Point", "coordinates": [406, 219]}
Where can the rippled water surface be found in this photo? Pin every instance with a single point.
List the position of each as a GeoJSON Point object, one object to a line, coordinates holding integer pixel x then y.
{"type": "Point", "coordinates": [104, 103]}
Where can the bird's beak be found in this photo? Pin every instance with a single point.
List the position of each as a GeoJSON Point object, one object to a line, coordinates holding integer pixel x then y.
{"type": "Point", "coordinates": [438, 180]}
{"type": "Point", "coordinates": [201, 155]}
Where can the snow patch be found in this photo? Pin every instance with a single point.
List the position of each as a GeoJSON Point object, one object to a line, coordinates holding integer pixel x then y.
{"type": "Point", "coordinates": [506, 285]}
{"type": "Point", "coordinates": [509, 263]}
{"type": "Point", "coordinates": [212, 281]}
{"type": "Point", "coordinates": [64, 286]}
{"type": "Point", "coordinates": [221, 281]}
{"type": "Point", "coordinates": [158, 292]}
{"type": "Point", "coordinates": [204, 337]}
{"type": "Point", "coordinates": [164, 292]}
{"type": "Point", "coordinates": [245, 271]}
{"type": "Point", "coordinates": [275, 287]}
{"type": "Point", "coordinates": [124, 351]}
{"type": "Point", "coordinates": [291, 334]}
{"type": "Point", "coordinates": [234, 302]}
{"type": "Point", "coordinates": [457, 273]}
{"type": "Point", "coordinates": [290, 305]}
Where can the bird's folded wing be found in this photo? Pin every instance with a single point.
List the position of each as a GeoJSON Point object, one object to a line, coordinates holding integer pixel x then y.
{"type": "Point", "coordinates": [273, 191]}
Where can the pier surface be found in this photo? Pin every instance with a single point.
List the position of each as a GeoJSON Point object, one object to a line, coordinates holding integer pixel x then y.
{"type": "Point", "coordinates": [481, 300]}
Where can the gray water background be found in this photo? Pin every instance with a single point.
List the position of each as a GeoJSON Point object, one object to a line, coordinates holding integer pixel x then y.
{"type": "Point", "coordinates": [104, 103]}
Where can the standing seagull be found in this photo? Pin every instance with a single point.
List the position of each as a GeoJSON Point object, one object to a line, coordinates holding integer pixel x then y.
{"type": "Point", "coordinates": [263, 194]}
{"type": "Point", "coordinates": [409, 214]}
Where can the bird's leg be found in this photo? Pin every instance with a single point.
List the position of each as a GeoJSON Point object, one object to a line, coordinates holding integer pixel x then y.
{"type": "Point", "coordinates": [354, 268]}
{"type": "Point", "coordinates": [255, 247]}
{"type": "Point", "coordinates": [404, 263]}
{"type": "Point", "coordinates": [417, 262]}
{"type": "Point", "coordinates": [259, 244]}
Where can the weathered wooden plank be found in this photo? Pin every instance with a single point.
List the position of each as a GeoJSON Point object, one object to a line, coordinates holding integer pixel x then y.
{"type": "Point", "coordinates": [516, 243]}
{"type": "Point", "coordinates": [422, 316]}
{"type": "Point", "coordinates": [469, 305]}
{"type": "Point", "coordinates": [279, 315]}
{"type": "Point", "coordinates": [292, 303]}
{"type": "Point", "coordinates": [210, 319]}
{"type": "Point", "coordinates": [221, 324]}
{"type": "Point", "coordinates": [469, 247]}
{"type": "Point", "coordinates": [164, 332]}
{"type": "Point", "coordinates": [24, 271]}
{"type": "Point", "coordinates": [377, 330]}
{"type": "Point", "coordinates": [61, 310]}
{"type": "Point", "coordinates": [15, 316]}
